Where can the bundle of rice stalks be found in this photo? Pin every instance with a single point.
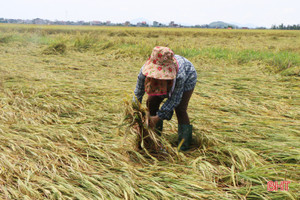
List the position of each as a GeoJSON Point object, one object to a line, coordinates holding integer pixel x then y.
{"type": "Point", "coordinates": [137, 121]}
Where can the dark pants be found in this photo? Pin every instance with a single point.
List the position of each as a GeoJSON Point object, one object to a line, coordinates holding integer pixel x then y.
{"type": "Point", "coordinates": [153, 103]}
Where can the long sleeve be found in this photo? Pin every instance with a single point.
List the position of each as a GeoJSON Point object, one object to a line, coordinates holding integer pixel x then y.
{"type": "Point", "coordinates": [167, 109]}
{"type": "Point", "coordinates": [140, 87]}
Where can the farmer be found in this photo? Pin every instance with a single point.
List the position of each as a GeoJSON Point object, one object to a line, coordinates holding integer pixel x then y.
{"type": "Point", "coordinates": [170, 76]}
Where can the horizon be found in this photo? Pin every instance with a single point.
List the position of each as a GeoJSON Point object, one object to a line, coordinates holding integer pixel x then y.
{"type": "Point", "coordinates": [134, 22]}
{"type": "Point", "coordinates": [139, 22]}
{"type": "Point", "coordinates": [247, 13]}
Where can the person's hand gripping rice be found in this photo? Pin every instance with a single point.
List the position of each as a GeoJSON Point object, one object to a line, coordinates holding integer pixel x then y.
{"type": "Point", "coordinates": [165, 75]}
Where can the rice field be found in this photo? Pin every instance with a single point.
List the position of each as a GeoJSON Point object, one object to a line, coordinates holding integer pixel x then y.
{"type": "Point", "coordinates": [64, 91]}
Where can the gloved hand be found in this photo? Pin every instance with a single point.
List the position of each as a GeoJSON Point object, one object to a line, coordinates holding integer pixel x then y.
{"type": "Point", "coordinates": [134, 99]}
{"type": "Point", "coordinates": [153, 121]}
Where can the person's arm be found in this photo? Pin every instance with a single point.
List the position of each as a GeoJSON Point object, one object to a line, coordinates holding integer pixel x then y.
{"type": "Point", "coordinates": [140, 87]}
{"type": "Point", "coordinates": [167, 109]}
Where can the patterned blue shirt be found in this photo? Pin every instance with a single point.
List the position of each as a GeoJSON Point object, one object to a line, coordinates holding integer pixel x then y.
{"type": "Point", "coordinates": [186, 79]}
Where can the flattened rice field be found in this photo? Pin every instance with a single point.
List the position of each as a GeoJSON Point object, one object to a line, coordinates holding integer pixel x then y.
{"type": "Point", "coordinates": [62, 134]}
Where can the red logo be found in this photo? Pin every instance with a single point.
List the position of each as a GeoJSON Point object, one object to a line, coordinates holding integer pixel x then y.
{"type": "Point", "coordinates": [273, 186]}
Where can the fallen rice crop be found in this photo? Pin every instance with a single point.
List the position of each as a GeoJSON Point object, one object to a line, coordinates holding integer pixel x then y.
{"type": "Point", "coordinates": [56, 48]}
{"type": "Point", "coordinates": [62, 128]}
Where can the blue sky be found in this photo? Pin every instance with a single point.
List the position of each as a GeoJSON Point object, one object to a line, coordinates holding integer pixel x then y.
{"type": "Point", "coordinates": [256, 12]}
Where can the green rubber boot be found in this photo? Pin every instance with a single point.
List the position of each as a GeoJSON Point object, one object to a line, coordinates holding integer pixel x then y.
{"type": "Point", "coordinates": [159, 127]}
{"type": "Point", "coordinates": [184, 132]}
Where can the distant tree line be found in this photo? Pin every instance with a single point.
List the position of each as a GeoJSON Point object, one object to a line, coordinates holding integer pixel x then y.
{"type": "Point", "coordinates": [288, 27]}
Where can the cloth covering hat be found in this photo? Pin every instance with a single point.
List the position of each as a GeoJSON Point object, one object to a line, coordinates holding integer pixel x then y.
{"type": "Point", "coordinates": [161, 64]}
{"type": "Point", "coordinates": [156, 87]}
